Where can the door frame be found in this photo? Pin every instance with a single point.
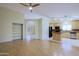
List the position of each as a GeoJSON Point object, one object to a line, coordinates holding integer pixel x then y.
{"type": "Point", "coordinates": [21, 29]}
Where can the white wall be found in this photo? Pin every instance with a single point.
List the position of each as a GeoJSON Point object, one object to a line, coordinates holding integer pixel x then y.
{"type": "Point", "coordinates": [7, 17]}
{"type": "Point", "coordinates": [45, 29]}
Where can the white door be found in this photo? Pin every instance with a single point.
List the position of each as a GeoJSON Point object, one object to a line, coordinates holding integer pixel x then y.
{"type": "Point", "coordinates": [30, 30]}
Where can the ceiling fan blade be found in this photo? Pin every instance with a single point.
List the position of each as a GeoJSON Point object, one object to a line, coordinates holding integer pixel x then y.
{"type": "Point", "coordinates": [24, 4]}
{"type": "Point", "coordinates": [35, 5]}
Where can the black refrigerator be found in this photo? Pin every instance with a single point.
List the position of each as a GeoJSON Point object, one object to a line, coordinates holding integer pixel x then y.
{"type": "Point", "coordinates": [50, 32]}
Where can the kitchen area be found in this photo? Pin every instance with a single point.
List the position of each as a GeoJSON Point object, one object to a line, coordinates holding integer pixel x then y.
{"type": "Point", "coordinates": [69, 29]}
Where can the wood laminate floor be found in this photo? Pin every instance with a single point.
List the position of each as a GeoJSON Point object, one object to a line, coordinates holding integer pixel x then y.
{"type": "Point", "coordinates": [37, 48]}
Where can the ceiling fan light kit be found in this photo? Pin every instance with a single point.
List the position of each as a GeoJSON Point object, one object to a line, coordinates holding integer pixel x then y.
{"type": "Point", "coordinates": [30, 8]}
{"type": "Point", "coordinates": [30, 5]}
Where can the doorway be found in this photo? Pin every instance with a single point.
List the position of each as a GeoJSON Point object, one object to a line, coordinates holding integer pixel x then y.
{"type": "Point", "coordinates": [17, 30]}
{"type": "Point", "coordinates": [30, 29]}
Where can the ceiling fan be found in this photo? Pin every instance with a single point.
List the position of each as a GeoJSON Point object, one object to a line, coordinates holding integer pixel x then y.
{"type": "Point", "coordinates": [30, 5]}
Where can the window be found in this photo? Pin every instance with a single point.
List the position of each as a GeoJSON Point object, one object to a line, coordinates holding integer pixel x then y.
{"type": "Point", "coordinates": [66, 26]}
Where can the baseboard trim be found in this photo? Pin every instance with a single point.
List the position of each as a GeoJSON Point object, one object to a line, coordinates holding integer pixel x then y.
{"type": "Point", "coordinates": [5, 41]}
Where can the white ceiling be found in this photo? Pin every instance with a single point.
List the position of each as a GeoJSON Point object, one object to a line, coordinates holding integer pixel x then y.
{"type": "Point", "coordinates": [48, 10]}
